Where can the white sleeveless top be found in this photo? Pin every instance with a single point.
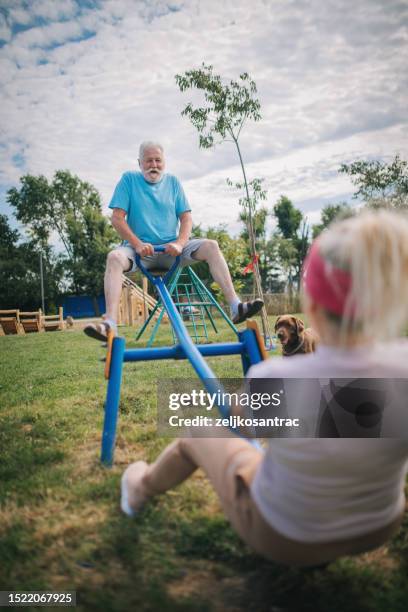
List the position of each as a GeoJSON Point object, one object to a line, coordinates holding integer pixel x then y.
{"type": "Point", "coordinates": [322, 490]}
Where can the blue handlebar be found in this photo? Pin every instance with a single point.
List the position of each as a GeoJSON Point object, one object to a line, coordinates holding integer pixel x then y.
{"type": "Point", "coordinates": [157, 249]}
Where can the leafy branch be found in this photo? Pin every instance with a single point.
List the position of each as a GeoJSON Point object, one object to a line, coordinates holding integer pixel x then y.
{"type": "Point", "coordinates": [227, 106]}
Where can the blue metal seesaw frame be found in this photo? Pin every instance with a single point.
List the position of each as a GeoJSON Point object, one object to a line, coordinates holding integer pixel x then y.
{"type": "Point", "coordinates": [250, 346]}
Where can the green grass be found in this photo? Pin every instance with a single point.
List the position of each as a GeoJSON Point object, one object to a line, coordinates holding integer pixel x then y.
{"type": "Point", "coordinates": [60, 524]}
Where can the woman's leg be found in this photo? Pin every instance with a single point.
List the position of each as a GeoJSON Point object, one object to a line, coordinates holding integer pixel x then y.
{"type": "Point", "coordinates": [227, 462]}
{"type": "Point", "coordinates": [231, 465]}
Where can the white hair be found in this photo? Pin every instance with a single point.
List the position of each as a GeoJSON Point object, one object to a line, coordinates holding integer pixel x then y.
{"type": "Point", "coordinates": [149, 144]}
{"type": "Point", "coordinates": [373, 248]}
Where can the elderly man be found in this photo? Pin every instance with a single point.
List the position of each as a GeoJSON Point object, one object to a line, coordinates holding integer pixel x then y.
{"type": "Point", "coordinates": [151, 209]}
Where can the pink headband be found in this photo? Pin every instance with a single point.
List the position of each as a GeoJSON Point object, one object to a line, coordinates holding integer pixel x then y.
{"type": "Point", "coordinates": [325, 284]}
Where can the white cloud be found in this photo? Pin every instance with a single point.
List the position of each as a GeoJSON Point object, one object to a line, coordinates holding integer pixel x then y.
{"type": "Point", "coordinates": [308, 176]}
{"type": "Point", "coordinates": [46, 36]}
{"type": "Point", "coordinates": [44, 9]}
{"type": "Point", "coordinates": [330, 80]}
{"type": "Point", "coordinates": [20, 16]}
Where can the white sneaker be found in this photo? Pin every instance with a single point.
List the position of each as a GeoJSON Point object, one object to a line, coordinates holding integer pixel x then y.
{"type": "Point", "coordinates": [133, 497]}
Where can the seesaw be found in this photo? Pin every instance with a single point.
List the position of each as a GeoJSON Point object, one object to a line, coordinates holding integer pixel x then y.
{"type": "Point", "coordinates": [250, 346]}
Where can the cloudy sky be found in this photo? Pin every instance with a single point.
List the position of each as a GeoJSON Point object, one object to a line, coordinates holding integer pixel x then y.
{"type": "Point", "coordinates": [84, 81]}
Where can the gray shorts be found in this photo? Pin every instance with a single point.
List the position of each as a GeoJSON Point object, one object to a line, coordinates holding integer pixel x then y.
{"type": "Point", "coordinates": [162, 260]}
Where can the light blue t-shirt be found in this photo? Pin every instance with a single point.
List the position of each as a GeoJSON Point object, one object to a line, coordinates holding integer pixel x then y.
{"type": "Point", "coordinates": [152, 209]}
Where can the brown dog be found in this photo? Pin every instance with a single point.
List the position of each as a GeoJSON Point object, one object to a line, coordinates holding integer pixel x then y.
{"type": "Point", "coordinates": [293, 336]}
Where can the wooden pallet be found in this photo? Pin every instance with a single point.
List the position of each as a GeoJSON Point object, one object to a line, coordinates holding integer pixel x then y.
{"type": "Point", "coordinates": [31, 321]}
{"type": "Point", "coordinates": [53, 322]}
{"type": "Point", "coordinates": [9, 325]}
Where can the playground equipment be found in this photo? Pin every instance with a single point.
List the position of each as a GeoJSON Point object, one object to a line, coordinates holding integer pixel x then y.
{"type": "Point", "coordinates": [250, 346]}
{"type": "Point", "coordinates": [194, 302]}
{"type": "Point", "coordinates": [24, 322]}
{"type": "Point", "coordinates": [135, 303]}
{"type": "Point", "coordinates": [53, 322]}
{"type": "Point", "coordinates": [31, 321]}
{"type": "Point", "coordinates": [10, 322]}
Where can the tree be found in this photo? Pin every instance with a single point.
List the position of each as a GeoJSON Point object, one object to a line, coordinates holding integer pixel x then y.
{"type": "Point", "coordinates": [274, 277]}
{"type": "Point", "coordinates": [250, 206]}
{"type": "Point", "coordinates": [378, 183]}
{"type": "Point", "coordinates": [330, 213]}
{"type": "Point", "coordinates": [291, 240]}
{"type": "Point", "coordinates": [72, 209]}
{"type": "Point", "coordinates": [91, 236]}
{"type": "Point", "coordinates": [234, 250]}
{"type": "Point", "coordinates": [289, 218]}
{"type": "Point", "coordinates": [285, 258]}
{"type": "Point", "coordinates": [20, 272]}
{"type": "Point", "coordinates": [8, 237]}
{"type": "Point", "coordinates": [226, 109]}
{"type": "Point", "coordinates": [259, 223]}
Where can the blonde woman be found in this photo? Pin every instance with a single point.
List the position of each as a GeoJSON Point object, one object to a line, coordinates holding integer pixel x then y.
{"type": "Point", "coordinates": [308, 501]}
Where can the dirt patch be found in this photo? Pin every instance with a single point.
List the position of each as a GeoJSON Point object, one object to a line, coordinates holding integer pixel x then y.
{"type": "Point", "coordinates": [204, 579]}
{"type": "Point", "coordinates": [381, 558]}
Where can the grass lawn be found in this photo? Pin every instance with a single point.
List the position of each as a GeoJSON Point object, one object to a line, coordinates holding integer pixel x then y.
{"type": "Point", "coordinates": [60, 524]}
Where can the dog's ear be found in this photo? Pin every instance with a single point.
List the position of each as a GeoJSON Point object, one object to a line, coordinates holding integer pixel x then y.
{"type": "Point", "coordinates": [277, 323]}
{"type": "Point", "coordinates": [300, 326]}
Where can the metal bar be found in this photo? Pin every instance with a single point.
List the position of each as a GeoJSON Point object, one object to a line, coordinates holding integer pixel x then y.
{"type": "Point", "coordinates": [192, 353]}
{"type": "Point", "coordinates": [214, 302]}
{"type": "Point", "coordinates": [112, 401]}
{"type": "Point", "coordinates": [146, 272]}
{"type": "Point", "coordinates": [251, 353]}
{"type": "Point", "coordinates": [147, 321]}
{"type": "Point", "coordinates": [193, 321]}
{"type": "Point", "coordinates": [42, 284]}
{"type": "Point", "coordinates": [156, 326]}
{"type": "Point", "coordinates": [191, 303]}
{"type": "Point", "coordinates": [158, 320]}
{"type": "Point", "coordinates": [209, 315]}
{"type": "Point", "coordinates": [203, 295]}
{"type": "Point", "coordinates": [176, 352]}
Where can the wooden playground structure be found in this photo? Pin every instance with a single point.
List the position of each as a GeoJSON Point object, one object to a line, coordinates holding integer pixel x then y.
{"type": "Point", "coordinates": [22, 322]}
{"type": "Point", "coordinates": [135, 307]}
{"type": "Point", "coordinates": [135, 303]}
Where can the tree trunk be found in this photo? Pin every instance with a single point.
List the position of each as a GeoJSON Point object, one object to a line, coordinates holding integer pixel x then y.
{"type": "Point", "coordinates": [251, 233]}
